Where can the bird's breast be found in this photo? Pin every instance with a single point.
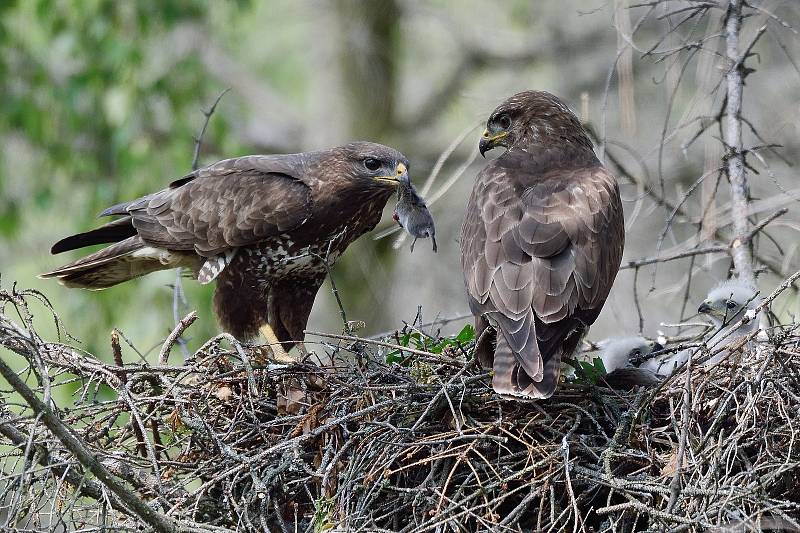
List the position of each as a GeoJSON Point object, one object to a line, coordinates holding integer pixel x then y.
{"type": "Point", "coordinates": [284, 257]}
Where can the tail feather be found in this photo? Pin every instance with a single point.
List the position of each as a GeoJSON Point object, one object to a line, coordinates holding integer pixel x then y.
{"type": "Point", "coordinates": [116, 209]}
{"type": "Point", "coordinates": [117, 263]}
{"type": "Point", "coordinates": [510, 378]}
{"type": "Point", "coordinates": [504, 366]}
{"type": "Point", "coordinates": [115, 231]}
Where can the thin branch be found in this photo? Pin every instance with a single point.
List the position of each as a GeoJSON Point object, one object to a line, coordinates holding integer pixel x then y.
{"type": "Point", "coordinates": [71, 475]}
{"type": "Point", "coordinates": [78, 448]}
{"type": "Point", "coordinates": [199, 139]}
{"type": "Point", "coordinates": [714, 249]}
{"type": "Point", "coordinates": [178, 296]}
{"type": "Point", "coordinates": [180, 328]}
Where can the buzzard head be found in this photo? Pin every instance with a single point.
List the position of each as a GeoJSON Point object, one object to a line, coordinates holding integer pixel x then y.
{"type": "Point", "coordinates": [728, 300]}
{"type": "Point", "coordinates": [532, 117]}
{"type": "Point", "coordinates": [374, 166]}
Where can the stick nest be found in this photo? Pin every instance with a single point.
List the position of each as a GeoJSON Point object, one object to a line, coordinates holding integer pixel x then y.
{"type": "Point", "coordinates": [230, 440]}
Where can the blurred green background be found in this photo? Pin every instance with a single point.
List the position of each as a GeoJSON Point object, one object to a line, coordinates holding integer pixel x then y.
{"type": "Point", "coordinates": [101, 101]}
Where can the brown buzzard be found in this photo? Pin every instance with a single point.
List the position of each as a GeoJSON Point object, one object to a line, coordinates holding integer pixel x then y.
{"type": "Point", "coordinates": [261, 226]}
{"type": "Point", "coordinates": [541, 243]}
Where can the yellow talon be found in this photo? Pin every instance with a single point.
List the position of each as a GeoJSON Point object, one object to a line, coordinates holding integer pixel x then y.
{"type": "Point", "coordinates": [275, 346]}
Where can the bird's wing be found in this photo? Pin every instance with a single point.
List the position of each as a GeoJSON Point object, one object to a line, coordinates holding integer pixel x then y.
{"type": "Point", "coordinates": [540, 253]}
{"type": "Point", "coordinates": [232, 203]}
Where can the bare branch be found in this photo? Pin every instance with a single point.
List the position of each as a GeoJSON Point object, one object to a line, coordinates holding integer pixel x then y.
{"type": "Point", "coordinates": [78, 448]}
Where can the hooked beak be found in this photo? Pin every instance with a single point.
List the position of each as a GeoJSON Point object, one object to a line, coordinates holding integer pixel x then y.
{"type": "Point", "coordinates": [484, 146]}
{"type": "Point", "coordinates": [488, 141]}
{"type": "Point", "coordinates": [400, 176]}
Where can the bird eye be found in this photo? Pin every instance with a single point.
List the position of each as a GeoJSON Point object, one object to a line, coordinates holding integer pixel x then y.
{"type": "Point", "coordinates": [636, 353]}
{"type": "Point", "coordinates": [504, 121]}
{"type": "Point", "coordinates": [730, 304]}
{"type": "Point", "coordinates": [372, 164]}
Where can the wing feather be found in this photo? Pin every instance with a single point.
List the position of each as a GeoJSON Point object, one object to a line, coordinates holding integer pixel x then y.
{"type": "Point", "coordinates": [540, 253]}
{"type": "Point", "coordinates": [227, 205]}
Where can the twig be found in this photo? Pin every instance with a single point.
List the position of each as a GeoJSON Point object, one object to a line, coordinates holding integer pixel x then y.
{"type": "Point", "coordinates": [773, 266]}
{"type": "Point", "coordinates": [374, 342]}
{"type": "Point", "coordinates": [72, 476]}
{"type": "Point", "coordinates": [713, 249]}
{"type": "Point", "coordinates": [178, 296]}
{"type": "Point", "coordinates": [73, 443]}
{"type": "Point", "coordinates": [180, 327]}
{"type": "Point", "coordinates": [199, 139]}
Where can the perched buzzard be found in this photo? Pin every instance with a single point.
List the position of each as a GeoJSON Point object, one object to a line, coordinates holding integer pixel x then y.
{"type": "Point", "coordinates": [541, 243]}
{"type": "Point", "coordinates": [261, 226]}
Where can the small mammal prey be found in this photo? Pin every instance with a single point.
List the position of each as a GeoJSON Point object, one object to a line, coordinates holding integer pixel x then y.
{"type": "Point", "coordinates": [412, 214]}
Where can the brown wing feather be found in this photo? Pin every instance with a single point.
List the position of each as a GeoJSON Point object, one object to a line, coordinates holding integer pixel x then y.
{"type": "Point", "coordinates": [230, 204]}
{"type": "Point", "coordinates": [540, 253]}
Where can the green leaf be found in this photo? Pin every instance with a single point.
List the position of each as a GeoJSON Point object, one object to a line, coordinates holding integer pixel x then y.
{"type": "Point", "coordinates": [394, 357]}
{"type": "Point", "coordinates": [592, 372]}
{"type": "Point", "coordinates": [467, 334]}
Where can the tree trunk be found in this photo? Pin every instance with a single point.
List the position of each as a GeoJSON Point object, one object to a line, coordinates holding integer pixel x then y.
{"type": "Point", "coordinates": [740, 194]}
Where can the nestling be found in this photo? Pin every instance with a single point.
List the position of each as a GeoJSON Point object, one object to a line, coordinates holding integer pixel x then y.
{"type": "Point", "coordinates": [725, 305]}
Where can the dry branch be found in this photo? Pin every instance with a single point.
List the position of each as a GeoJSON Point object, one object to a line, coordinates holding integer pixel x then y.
{"type": "Point", "coordinates": [423, 446]}
{"type": "Point", "coordinates": [78, 448]}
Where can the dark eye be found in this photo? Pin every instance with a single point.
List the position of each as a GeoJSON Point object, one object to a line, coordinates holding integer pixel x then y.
{"type": "Point", "coordinates": [636, 353]}
{"type": "Point", "coordinates": [372, 164]}
{"type": "Point", "coordinates": [504, 121]}
{"type": "Point", "coordinates": [730, 304]}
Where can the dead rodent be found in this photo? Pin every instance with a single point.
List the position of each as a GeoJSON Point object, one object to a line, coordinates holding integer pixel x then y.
{"type": "Point", "coordinates": [412, 214]}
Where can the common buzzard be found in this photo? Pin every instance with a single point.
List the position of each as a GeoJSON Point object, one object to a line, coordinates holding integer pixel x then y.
{"type": "Point", "coordinates": [541, 243]}
{"type": "Point", "coordinates": [262, 226]}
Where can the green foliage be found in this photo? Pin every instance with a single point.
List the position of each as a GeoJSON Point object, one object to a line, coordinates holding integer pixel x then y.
{"type": "Point", "coordinates": [97, 111]}
{"type": "Point", "coordinates": [323, 511]}
{"type": "Point", "coordinates": [419, 341]}
{"type": "Point", "coordinates": [587, 372]}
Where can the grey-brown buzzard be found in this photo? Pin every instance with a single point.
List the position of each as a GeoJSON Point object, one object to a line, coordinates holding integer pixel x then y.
{"type": "Point", "coordinates": [541, 243]}
{"type": "Point", "coordinates": [262, 226]}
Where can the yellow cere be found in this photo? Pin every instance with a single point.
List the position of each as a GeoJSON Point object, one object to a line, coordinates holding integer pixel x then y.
{"type": "Point", "coordinates": [401, 169]}
{"type": "Point", "coordinates": [494, 138]}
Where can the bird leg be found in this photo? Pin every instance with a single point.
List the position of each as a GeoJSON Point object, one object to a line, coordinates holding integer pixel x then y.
{"type": "Point", "coordinates": [301, 349]}
{"type": "Point", "coordinates": [278, 352]}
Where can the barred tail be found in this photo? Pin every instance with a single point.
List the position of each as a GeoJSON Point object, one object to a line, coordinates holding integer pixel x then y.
{"type": "Point", "coordinates": [115, 264]}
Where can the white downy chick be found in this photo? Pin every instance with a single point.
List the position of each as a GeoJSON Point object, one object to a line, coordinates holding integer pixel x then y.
{"type": "Point", "coordinates": [666, 364]}
{"type": "Point", "coordinates": [618, 355]}
{"type": "Point", "coordinates": [726, 305]}
{"type": "Point", "coordinates": [618, 352]}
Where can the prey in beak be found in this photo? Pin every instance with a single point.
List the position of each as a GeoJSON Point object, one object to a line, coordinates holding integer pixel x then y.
{"type": "Point", "coordinates": [412, 214]}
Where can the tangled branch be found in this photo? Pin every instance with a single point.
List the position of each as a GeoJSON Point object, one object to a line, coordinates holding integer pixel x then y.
{"type": "Point", "coordinates": [242, 443]}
